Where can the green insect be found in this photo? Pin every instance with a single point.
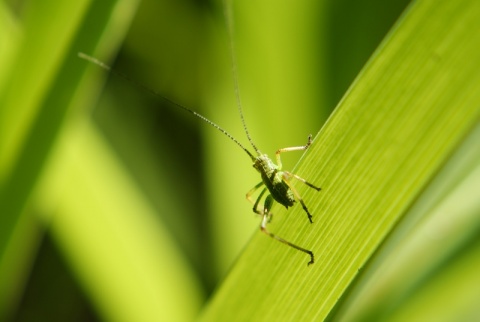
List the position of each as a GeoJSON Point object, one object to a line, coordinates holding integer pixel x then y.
{"type": "Point", "coordinates": [274, 180]}
{"type": "Point", "coordinates": [277, 182]}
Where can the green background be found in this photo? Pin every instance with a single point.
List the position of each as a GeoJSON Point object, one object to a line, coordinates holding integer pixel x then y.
{"type": "Point", "coordinates": [116, 205]}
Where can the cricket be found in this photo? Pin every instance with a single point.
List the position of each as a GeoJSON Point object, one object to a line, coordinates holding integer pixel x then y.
{"type": "Point", "coordinates": [275, 181]}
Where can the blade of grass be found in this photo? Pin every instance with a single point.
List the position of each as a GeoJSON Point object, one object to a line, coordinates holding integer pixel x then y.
{"type": "Point", "coordinates": [446, 297]}
{"type": "Point", "coordinates": [125, 260]}
{"type": "Point", "coordinates": [8, 43]}
{"type": "Point", "coordinates": [121, 257]}
{"type": "Point", "coordinates": [439, 227]}
{"type": "Point", "coordinates": [408, 110]}
{"type": "Point", "coordinates": [34, 103]}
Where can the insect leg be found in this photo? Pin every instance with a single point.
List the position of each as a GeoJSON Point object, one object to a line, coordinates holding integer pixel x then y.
{"type": "Point", "coordinates": [255, 206]}
{"type": "Point", "coordinates": [297, 195]}
{"type": "Point", "coordinates": [263, 228]}
{"type": "Point", "coordinates": [289, 174]}
{"type": "Point", "coordinates": [249, 197]}
{"type": "Point", "coordinates": [293, 148]}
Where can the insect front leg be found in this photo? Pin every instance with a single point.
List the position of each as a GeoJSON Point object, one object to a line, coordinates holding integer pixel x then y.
{"type": "Point", "coordinates": [263, 228]}
{"type": "Point", "coordinates": [293, 148]}
{"type": "Point", "coordinates": [287, 175]}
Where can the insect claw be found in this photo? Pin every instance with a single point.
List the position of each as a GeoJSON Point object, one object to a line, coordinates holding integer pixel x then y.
{"type": "Point", "coordinates": [306, 210]}
{"type": "Point", "coordinates": [312, 258]}
{"type": "Point", "coordinates": [309, 141]}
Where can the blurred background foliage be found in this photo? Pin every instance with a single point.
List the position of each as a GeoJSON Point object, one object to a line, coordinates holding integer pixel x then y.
{"type": "Point", "coordinates": [116, 205]}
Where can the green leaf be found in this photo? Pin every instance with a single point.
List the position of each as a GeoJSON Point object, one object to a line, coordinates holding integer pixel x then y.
{"type": "Point", "coordinates": [436, 244]}
{"type": "Point", "coordinates": [406, 114]}
{"type": "Point", "coordinates": [40, 76]}
{"type": "Point", "coordinates": [126, 261]}
{"type": "Point", "coordinates": [61, 177]}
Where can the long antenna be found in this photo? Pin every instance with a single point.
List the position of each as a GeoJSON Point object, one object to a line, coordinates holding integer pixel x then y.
{"type": "Point", "coordinates": [156, 94]}
{"type": "Point", "coordinates": [229, 20]}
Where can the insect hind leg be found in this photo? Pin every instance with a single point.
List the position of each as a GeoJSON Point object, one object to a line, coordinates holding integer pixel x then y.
{"type": "Point", "coordinates": [263, 228]}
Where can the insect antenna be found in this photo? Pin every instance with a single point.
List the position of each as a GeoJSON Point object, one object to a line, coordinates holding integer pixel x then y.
{"type": "Point", "coordinates": [157, 94]}
{"type": "Point", "coordinates": [229, 21]}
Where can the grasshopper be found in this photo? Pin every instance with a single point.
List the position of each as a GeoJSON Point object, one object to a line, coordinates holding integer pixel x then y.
{"type": "Point", "coordinates": [274, 180]}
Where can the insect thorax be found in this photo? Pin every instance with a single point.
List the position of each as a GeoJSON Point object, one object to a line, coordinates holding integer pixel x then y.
{"type": "Point", "coordinates": [272, 177]}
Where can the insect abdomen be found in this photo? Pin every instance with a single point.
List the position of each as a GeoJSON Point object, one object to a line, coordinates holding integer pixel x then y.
{"type": "Point", "coordinates": [279, 190]}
